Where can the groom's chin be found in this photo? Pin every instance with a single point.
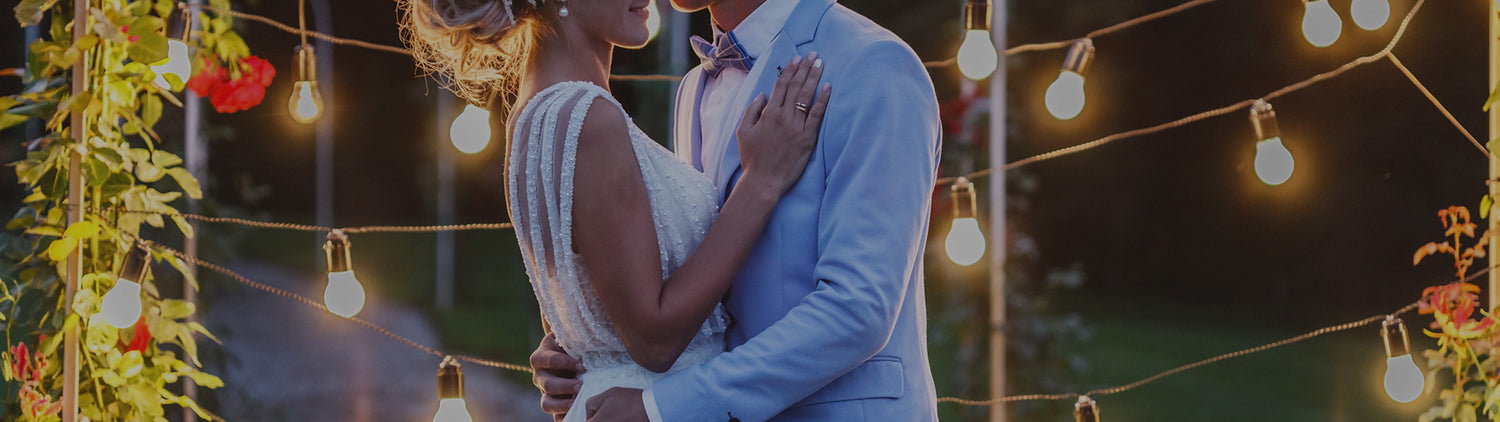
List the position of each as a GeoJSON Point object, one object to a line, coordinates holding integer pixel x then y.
{"type": "Point", "coordinates": [690, 6]}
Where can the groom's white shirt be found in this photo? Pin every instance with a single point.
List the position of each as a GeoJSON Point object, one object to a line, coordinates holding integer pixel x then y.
{"type": "Point", "coordinates": [718, 107]}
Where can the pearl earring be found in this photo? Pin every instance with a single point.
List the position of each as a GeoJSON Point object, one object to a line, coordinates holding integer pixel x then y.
{"type": "Point", "coordinates": [564, 10]}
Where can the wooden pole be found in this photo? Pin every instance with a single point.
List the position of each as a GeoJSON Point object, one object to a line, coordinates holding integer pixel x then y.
{"type": "Point", "coordinates": [998, 230]}
{"type": "Point", "coordinates": [75, 201]}
{"type": "Point", "coordinates": [1494, 17]}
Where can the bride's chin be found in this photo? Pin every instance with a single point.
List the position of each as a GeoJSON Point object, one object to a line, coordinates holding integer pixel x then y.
{"type": "Point", "coordinates": [635, 43]}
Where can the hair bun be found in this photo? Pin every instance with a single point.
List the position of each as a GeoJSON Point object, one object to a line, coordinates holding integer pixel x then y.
{"type": "Point", "coordinates": [476, 47]}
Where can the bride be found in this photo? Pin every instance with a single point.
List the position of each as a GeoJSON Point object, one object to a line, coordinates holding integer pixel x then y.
{"type": "Point", "coordinates": [628, 250]}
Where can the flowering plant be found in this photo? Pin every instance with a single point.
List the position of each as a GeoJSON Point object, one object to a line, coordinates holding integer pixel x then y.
{"type": "Point", "coordinates": [1467, 335]}
{"type": "Point", "coordinates": [232, 91]}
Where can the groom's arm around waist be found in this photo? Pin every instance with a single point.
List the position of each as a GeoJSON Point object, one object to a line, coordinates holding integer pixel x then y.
{"type": "Point", "coordinates": [880, 155]}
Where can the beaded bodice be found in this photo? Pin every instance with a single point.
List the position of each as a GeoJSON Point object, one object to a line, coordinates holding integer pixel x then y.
{"type": "Point", "coordinates": [543, 150]}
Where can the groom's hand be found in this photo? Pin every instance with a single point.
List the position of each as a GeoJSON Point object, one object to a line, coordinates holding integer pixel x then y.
{"type": "Point", "coordinates": [617, 405]}
{"type": "Point", "coordinates": [556, 374]}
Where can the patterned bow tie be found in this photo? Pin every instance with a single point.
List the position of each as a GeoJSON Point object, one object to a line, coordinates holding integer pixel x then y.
{"type": "Point", "coordinates": [724, 52]}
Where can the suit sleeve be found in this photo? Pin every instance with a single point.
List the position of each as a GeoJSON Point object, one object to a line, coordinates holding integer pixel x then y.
{"type": "Point", "coordinates": [880, 151]}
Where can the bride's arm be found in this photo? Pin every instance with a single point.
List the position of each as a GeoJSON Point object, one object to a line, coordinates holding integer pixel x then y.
{"type": "Point", "coordinates": [615, 236]}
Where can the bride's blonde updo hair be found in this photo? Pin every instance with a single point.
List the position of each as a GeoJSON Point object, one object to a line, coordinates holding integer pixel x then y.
{"type": "Point", "coordinates": [477, 48]}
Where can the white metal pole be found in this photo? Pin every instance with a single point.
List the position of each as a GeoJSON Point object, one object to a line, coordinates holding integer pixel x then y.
{"type": "Point", "coordinates": [998, 230]}
{"type": "Point", "coordinates": [443, 296]}
{"type": "Point", "coordinates": [196, 151]}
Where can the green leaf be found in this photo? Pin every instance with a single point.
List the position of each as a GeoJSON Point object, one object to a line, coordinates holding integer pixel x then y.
{"type": "Point", "coordinates": [176, 309]}
{"type": "Point", "coordinates": [1485, 204]}
{"type": "Point", "coordinates": [195, 326]}
{"type": "Point", "coordinates": [163, 158]}
{"type": "Point", "coordinates": [185, 339]}
{"type": "Point", "coordinates": [29, 12]}
{"type": "Point", "coordinates": [188, 183]}
{"type": "Point", "coordinates": [8, 120]}
{"type": "Point", "coordinates": [1494, 95]}
{"type": "Point", "coordinates": [148, 172]}
{"type": "Point", "coordinates": [149, 48]}
{"type": "Point", "coordinates": [206, 380]}
{"type": "Point", "coordinates": [116, 184]}
{"type": "Point", "coordinates": [110, 377]}
{"type": "Point", "coordinates": [151, 112]}
{"type": "Point", "coordinates": [59, 249]}
{"type": "Point", "coordinates": [187, 231]}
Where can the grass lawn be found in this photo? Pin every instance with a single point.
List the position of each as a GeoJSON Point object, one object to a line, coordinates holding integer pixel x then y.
{"type": "Point", "coordinates": [1335, 377]}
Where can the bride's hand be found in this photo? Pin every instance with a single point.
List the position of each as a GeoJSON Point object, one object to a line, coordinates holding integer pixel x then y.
{"type": "Point", "coordinates": [777, 134]}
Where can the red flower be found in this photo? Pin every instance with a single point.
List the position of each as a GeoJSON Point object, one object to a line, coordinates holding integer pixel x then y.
{"type": "Point", "coordinates": [142, 338]}
{"type": "Point", "coordinates": [258, 70]}
{"type": "Point", "coordinates": [20, 365]}
{"type": "Point", "coordinates": [208, 77]}
{"type": "Point", "coordinates": [236, 95]}
{"type": "Point", "coordinates": [231, 95]}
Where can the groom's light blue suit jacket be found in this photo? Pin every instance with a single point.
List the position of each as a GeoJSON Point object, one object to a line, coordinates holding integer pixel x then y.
{"type": "Point", "coordinates": [828, 314]}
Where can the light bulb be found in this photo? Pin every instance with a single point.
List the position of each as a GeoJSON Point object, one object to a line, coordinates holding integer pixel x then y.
{"type": "Point", "coordinates": [1273, 162]}
{"type": "Point", "coordinates": [177, 63]}
{"type": "Point", "coordinates": [1065, 97]}
{"type": "Point", "coordinates": [452, 410]}
{"type": "Point", "coordinates": [1321, 25]}
{"type": "Point", "coordinates": [965, 243]}
{"type": "Point", "coordinates": [470, 132]}
{"type": "Point", "coordinates": [1403, 380]}
{"type": "Point", "coordinates": [121, 307]}
{"type": "Point", "coordinates": [344, 296]}
{"type": "Point", "coordinates": [1085, 410]}
{"type": "Point", "coordinates": [653, 21]}
{"type": "Point", "coordinates": [306, 104]}
{"type": "Point", "coordinates": [977, 58]}
{"type": "Point", "coordinates": [451, 407]}
{"type": "Point", "coordinates": [1370, 14]}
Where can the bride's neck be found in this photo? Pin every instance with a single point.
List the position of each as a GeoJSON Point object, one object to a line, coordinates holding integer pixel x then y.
{"type": "Point", "coordinates": [568, 55]}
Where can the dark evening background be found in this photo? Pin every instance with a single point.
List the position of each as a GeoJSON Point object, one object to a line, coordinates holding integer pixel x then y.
{"type": "Point", "coordinates": [1125, 260]}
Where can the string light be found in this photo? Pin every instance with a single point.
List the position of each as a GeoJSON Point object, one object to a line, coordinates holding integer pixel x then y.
{"type": "Point", "coordinates": [121, 306]}
{"type": "Point", "coordinates": [1370, 14]}
{"type": "Point", "coordinates": [1320, 24]}
{"type": "Point", "coordinates": [451, 406]}
{"type": "Point", "coordinates": [965, 243]}
{"type": "Point", "coordinates": [1404, 382]}
{"type": "Point", "coordinates": [1065, 97]}
{"type": "Point", "coordinates": [177, 64]}
{"type": "Point", "coordinates": [1273, 162]}
{"type": "Point", "coordinates": [344, 296]}
{"type": "Point", "coordinates": [470, 131]}
{"type": "Point", "coordinates": [977, 57]}
{"type": "Point", "coordinates": [653, 21]}
{"type": "Point", "coordinates": [306, 104]}
{"type": "Point", "coordinates": [1086, 410]}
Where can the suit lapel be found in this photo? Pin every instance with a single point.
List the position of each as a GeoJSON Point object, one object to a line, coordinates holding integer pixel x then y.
{"type": "Point", "coordinates": [688, 137]}
{"type": "Point", "coordinates": [760, 80]}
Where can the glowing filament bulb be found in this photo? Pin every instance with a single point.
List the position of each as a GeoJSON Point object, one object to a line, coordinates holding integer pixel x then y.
{"type": "Point", "coordinates": [470, 132]}
{"type": "Point", "coordinates": [344, 296]}
{"type": "Point", "coordinates": [1065, 97]}
{"type": "Point", "coordinates": [965, 243]}
{"type": "Point", "coordinates": [1403, 380]}
{"type": "Point", "coordinates": [1085, 410]}
{"type": "Point", "coordinates": [1370, 14]}
{"type": "Point", "coordinates": [977, 58]}
{"type": "Point", "coordinates": [1273, 162]}
{"type": "Point", "coordinates": [176, 64]}
{"type": "Point", "coordinates": [653, 21]}
{"type": "Point", "coordinates": [121, 306]}
{"type": "Point", "coordinates": [1321, 25]}
{"type": "Point", "coordinates": [306, 104]}
{"type": "Point", "coordinates": [451, 406]}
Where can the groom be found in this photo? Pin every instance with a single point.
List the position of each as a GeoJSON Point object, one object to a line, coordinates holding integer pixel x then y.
{"type": "Point", "coordinates": [829, 318]}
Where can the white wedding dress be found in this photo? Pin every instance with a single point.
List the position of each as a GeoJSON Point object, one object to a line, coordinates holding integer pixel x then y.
{"type": "Point", "coordinates": [684, 203]}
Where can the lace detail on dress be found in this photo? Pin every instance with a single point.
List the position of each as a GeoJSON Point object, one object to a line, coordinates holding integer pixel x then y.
{"type": "Point", "coordinates": [543, 153]}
